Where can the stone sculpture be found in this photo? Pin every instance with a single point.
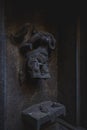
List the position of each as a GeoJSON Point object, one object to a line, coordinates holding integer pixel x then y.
{"type": "Point", "coordinates": [36, 46]}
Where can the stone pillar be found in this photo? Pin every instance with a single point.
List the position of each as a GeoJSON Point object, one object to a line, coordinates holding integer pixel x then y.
{"type": "Point", "coordinates": [2, 65]}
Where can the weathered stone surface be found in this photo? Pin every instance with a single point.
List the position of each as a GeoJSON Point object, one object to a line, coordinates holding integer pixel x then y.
{"type": "Point", "coordinates": [35, 47]}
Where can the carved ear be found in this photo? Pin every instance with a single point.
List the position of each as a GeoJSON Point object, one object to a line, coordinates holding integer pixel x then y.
{"type": "Point", "coordinates": [24, 48]}
{"type": "Point", "coordinates": [52, 42]}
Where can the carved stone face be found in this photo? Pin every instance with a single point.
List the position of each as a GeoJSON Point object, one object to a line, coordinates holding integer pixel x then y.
{"type": "Point", "coordinates": [37, 63]}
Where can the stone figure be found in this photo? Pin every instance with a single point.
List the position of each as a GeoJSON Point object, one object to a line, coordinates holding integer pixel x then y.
{"type": "Point", "coordinates": [36, 46]}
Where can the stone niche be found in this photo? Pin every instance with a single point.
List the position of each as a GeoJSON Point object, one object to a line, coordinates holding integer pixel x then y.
{"type": "Point", "coordinates": [62, 63]}
{"type": "Point", "coordinates": [20, 96]}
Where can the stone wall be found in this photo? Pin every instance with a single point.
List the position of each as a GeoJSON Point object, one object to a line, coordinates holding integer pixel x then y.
{"type": "Point", "coordinates": [67, 67]}
{"type": "Point", "coordinates": [19, 97]}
